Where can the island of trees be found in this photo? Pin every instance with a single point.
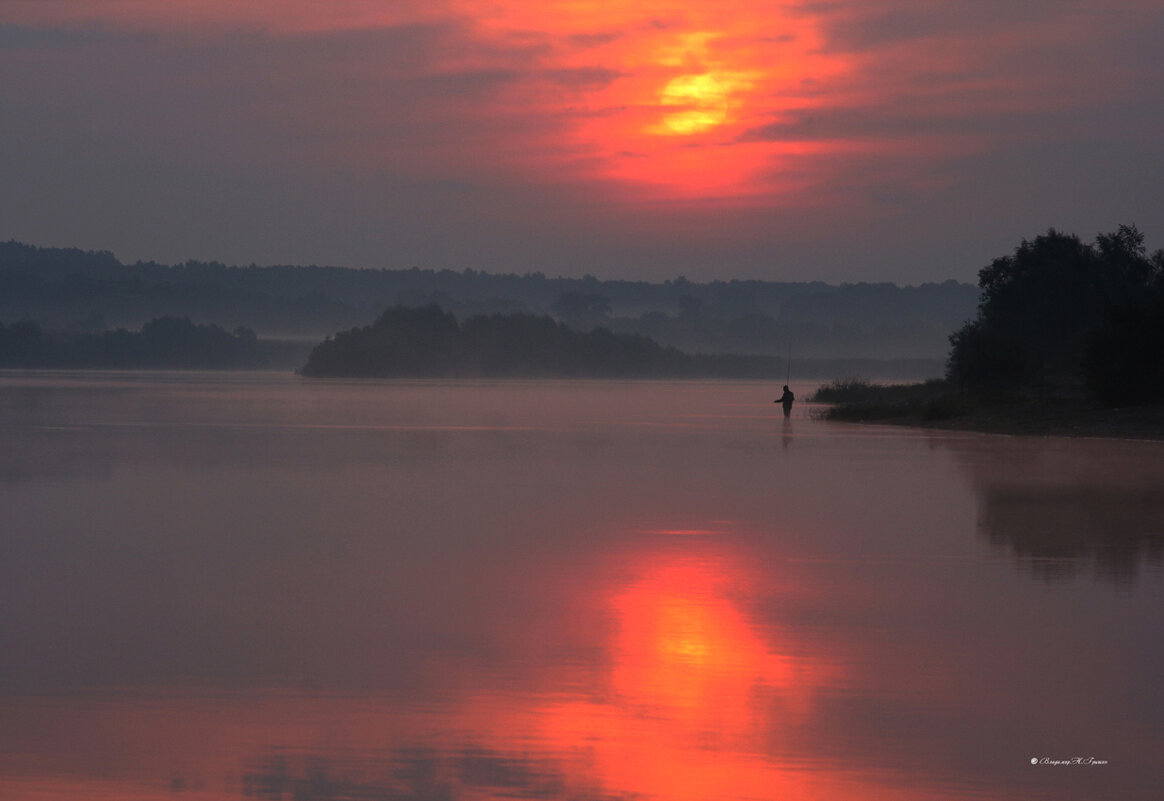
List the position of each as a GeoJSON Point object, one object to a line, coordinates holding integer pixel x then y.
{"type": "Point", "coordinates": [410, 342]}
{"type": "Point", "coordinates": [430, 342]}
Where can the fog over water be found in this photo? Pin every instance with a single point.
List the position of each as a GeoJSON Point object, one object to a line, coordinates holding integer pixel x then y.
{"type": "Point", "coordinates": [225, 585]}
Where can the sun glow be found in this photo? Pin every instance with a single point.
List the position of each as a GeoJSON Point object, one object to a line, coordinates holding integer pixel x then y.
{"type": "Point", "coordinates": [635, 99]}
{"type": "Point", "coordinates": [687, 83]}
{"type": "Point", "coordinates": [695, 700]}
{"type": "Point", "coordinates": [702, 100]}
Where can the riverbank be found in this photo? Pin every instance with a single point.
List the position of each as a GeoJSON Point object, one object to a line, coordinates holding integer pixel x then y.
{"type": "Point", "coordinates": [935, 404]}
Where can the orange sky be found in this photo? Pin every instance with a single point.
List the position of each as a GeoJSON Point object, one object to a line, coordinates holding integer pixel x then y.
{"type": "Point", "coordinates": [785, 138]}
{"type": "Point", "coordinates": [653, 97]}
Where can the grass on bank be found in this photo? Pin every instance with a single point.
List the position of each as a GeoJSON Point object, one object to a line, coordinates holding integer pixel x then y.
{"type": "Point", "coordinates": [859, 400]}
{"type": "Point", "coordinates": [937, 404]}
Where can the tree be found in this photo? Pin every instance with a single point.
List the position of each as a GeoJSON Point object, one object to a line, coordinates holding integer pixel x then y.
{"type": "Point", "coordinates": [581, 309]}
{"type": "Point", "coordinates": [1062, 313]}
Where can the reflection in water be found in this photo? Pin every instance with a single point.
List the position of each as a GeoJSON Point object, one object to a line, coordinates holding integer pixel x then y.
{"type": "Point", "coordinates": [224, 587]}
{"type": "Point", "coordinates": [686, 710]}
{"type": "Point", "coordinates": [686, 652]}
{"type": "Point", "coordinates": [406, 774]}
{"type": "Point", "coordinates": [695, 691]}
{"type": "Point", "coordinates": [1060, 507]}
{"type": "Point", "coordinates": [1056, 530]}
{"type": "Point", "coordinates": [694, 702]}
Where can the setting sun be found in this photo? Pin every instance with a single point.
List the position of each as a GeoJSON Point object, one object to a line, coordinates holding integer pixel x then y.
{"type": "Point", "coordinates": [669, 92]}
{"type": "Point", "coordinates": [702, 102]}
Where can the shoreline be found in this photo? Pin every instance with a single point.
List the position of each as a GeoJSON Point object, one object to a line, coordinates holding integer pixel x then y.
{"type": "Point", "coordinates": [1049, 417]}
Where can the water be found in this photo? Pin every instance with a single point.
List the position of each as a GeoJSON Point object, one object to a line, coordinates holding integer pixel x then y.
{"type": "Point", "coordinates": [216, 586]}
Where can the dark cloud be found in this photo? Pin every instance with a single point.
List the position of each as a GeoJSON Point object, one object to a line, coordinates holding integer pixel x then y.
{"type": "Point", "coordinates": [23, 36]}
{"type": "Point", "coordinates": [909, 121]}
{"type": "Point", "coordinates": [852, 27]}
{"type": "Point", "coordinates": [588, 40]}
{"type": "Point", "coordinates": [583, 77]}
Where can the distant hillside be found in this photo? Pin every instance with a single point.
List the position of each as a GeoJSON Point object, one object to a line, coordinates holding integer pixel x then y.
{"type": "Point", "coordinates": [69, 289]}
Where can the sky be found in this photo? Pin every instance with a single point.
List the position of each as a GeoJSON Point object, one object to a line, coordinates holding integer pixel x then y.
{"type": "Point", "coordinates": [883, 140]}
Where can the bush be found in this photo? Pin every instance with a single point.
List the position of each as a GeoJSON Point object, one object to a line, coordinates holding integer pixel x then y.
{"type": "Point", "coordinates": [845, 390]}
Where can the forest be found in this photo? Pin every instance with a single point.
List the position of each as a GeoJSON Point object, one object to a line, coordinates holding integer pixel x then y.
{"type": "Point", "coordinates": [66, 289]}
{"type": "Point", "coordinates": [162, 343]}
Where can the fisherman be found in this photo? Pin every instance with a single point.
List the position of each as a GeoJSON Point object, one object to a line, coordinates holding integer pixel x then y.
{"type": "Point", "coordinates": [785, 400]}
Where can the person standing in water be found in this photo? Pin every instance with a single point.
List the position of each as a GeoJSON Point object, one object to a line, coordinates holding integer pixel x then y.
{"type": "Point", "coordinates": [785, 400]}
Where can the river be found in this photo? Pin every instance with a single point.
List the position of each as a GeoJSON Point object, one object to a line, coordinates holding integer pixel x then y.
{"type": "Point", "coordinates": [248, 585]}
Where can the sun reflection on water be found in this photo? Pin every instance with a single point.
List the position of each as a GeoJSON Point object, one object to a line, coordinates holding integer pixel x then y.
{"type": "Point", "coordinates": [694, 698]}
{"type": "Point", "coordinates": [695, 688]}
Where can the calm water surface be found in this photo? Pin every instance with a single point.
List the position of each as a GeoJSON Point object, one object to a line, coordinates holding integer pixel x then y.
{"type": "Point", "coordinates": [215, 586]}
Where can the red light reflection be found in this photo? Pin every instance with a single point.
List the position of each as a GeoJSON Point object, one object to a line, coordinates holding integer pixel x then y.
{"type": "Point", "coordinates": [695, 700]}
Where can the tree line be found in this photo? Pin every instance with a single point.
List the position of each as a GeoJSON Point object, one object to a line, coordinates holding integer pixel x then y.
{"type": "Point", "coordinates": [162, 343]}
{"type": "Point", "coordinates": [1062, 315]}
{"type": "Point", "coordinates": [64, 287]}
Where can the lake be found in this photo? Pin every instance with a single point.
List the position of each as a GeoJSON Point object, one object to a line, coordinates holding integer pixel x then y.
{"type": "Point", "coordinates": [221, 586]}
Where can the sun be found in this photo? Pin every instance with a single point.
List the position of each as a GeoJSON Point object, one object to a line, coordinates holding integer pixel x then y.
{"type": "Point", "coordinates": [702, 104]}
{"type": "Point", "coordinates": [667, 100]}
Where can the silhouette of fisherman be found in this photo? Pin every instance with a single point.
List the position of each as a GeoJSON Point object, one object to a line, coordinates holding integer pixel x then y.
{"type": "Point", "coordinates": [785, 400]}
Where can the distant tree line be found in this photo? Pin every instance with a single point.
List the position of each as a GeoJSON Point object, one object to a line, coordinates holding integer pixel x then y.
{"type": "Point", "coordinates": [1062, 314]}
{"type": "Point", "coordinates": [62, 287]}
{"type": "Point", "coordinates": [166, 342]}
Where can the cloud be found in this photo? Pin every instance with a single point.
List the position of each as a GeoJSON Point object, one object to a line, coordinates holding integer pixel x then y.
{"type": "Point", "coordinates": [585, 78]}
{"type": "Point", "coordinates": [800, 115]}
{"type": "Point", "coordinates": [852, 27]}
{"type": "Point", "coordinates": [587, 40]}
{"type": "Point", "coordinates": [35, 37]}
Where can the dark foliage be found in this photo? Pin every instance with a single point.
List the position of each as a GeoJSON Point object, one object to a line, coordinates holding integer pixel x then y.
{"type": "Point", "coordinates": [1125, 360]}
{"type": "Point", "coordinates": [857, 399]}
{"type": "Point", "coordinates": [1060, 313]}
{"type": "Point", "coordinates": [408, 342]}
{"type": "Point", "coordinates": [983, 357]}
{"type": "Point", "coordinates": [59, 287]}
{"type": "Point", "coordinates": [166, 342]}
{"type": "Point", "coordinates": [581, 309]}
